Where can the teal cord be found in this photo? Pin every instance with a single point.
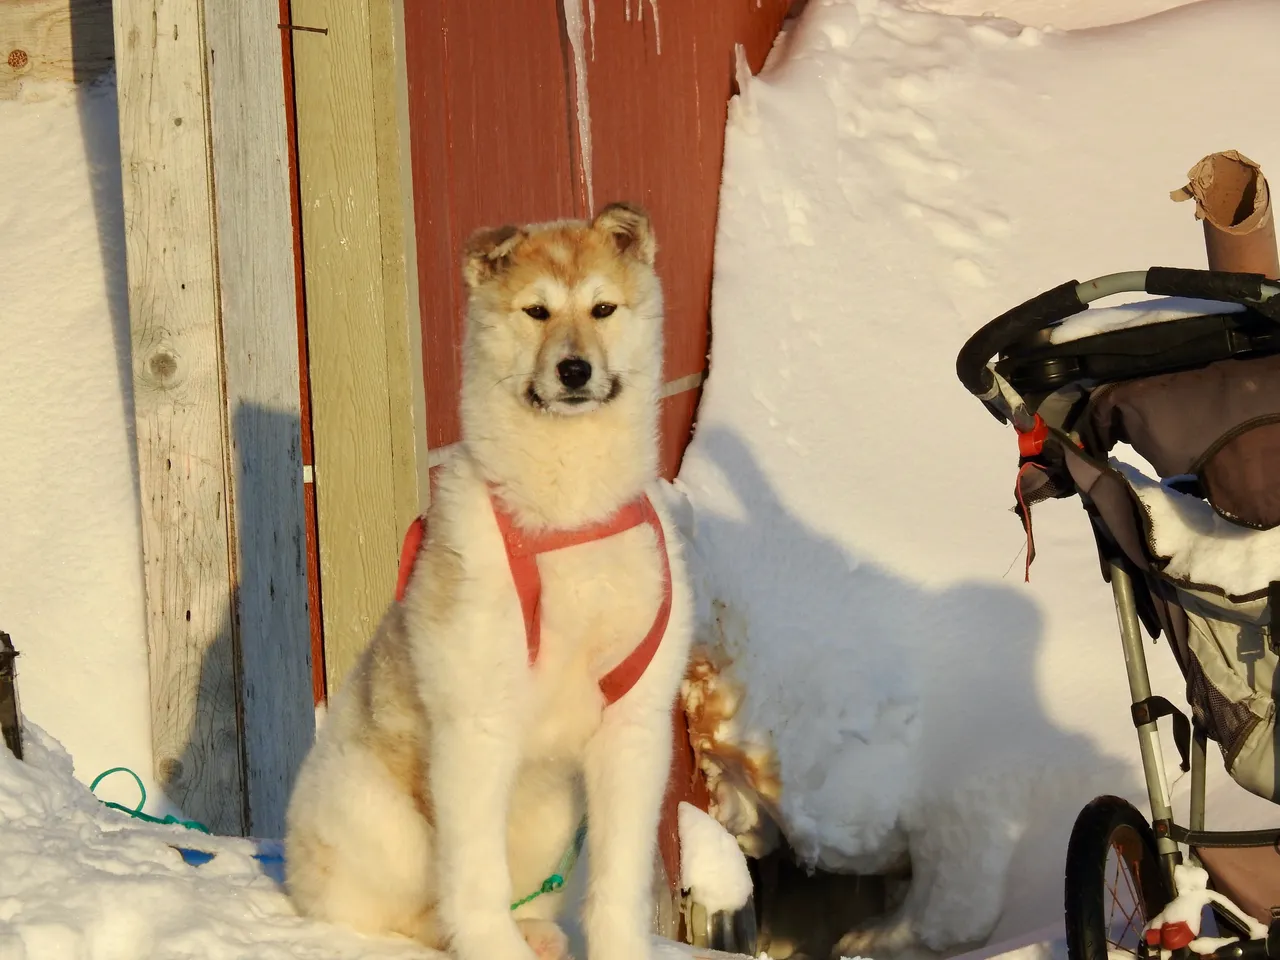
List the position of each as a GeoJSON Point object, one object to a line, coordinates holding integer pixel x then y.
{"type": "Point", "coordinates": [136, 812]}
{"type": "Point", "coordinates": [555, 882]}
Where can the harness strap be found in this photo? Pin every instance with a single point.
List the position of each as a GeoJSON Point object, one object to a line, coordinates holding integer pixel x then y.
{"type": "Point", "coordinates": [523, 548]}
{"type": "Point", "coordinates": [409, 554]}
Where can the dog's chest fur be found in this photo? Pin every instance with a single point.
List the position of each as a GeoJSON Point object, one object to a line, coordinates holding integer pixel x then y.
{"type": "Point", "coordinates": [599, 600]}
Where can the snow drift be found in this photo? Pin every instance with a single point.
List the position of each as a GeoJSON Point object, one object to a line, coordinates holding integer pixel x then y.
{"type": "Point", "coordinates": [892, 180]}
{"type": "Point", "coordinates": [84, 882]}
{"type": "Point", "coordinates": [71, 591]}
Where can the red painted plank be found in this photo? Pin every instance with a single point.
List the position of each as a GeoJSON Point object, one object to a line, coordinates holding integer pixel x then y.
{"type": "Point", "coordinates": [318, 678]}
{"type": "Point", "coordinates": [657, 130]}
{"type": "Point", "coordinates": [490, 144]}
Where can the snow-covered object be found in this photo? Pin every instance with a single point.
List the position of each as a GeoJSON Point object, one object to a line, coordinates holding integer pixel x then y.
{"type": "Point", "coordinates": [712, 866]}
{"type": "Point", "coordinates": [893, 180]}
{"type": "Point", "coordinates": [1201, 545]}
{"type": "Point", "coordinates": [82, 881]}
{"type": "Point", "coordinates": [1141, 313]}
{"type": "Point", "coordinates": [1178, 924]}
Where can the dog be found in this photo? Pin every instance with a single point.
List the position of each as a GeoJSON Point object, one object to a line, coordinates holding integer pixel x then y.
{"type": "Point", "coordinates": [507, 691]}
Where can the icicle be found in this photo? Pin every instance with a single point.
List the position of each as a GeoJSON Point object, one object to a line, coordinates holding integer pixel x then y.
{"type": "Point", "coordinates": [591, 25]}
{"type": "Point", "coordinates": [576, 29]}
{"type": "Point", "coordinates": [657, 28]}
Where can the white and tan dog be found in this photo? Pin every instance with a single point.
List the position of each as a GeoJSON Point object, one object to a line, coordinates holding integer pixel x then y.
{"type": "Point", "coordinates": [450, 776]}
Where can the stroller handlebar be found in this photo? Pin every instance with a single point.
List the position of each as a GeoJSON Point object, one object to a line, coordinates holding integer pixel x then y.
{"type": "Point", "coordinates": [1068, 299]}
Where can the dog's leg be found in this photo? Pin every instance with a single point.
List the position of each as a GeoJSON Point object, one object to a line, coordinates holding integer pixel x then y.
{"type": "Point", "coordinates": [474, 762]}
{"type": "Point", "coordinates": [626, 768]}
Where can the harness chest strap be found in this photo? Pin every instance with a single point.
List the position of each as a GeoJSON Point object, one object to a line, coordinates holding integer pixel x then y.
{"type": "Point", "coordinates": [523, 548]}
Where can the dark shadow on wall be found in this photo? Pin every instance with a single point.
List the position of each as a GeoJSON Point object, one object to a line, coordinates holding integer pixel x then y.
{"type": "Point", "coordinates": [960, 660]}
{"type": "Point", "coordinates": [92, 40]}
{"type": "Point", "coordinates": [254, 716]}
{"type": "Point", "coordinates": [92, 61]}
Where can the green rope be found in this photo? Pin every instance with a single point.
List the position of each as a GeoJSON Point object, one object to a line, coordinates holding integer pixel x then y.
{"type": "Point", "coordinates": [555, 882]}
{"type": "Point", "coordinates": [136, 812]}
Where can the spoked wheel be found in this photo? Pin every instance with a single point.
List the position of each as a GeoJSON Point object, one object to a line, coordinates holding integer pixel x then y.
{"type": "Point", "coordinates": [1114, 883]}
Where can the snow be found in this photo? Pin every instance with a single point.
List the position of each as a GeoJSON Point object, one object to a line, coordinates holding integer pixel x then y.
{"type": "Point", "coordinates": [712, 866]}
{"type": "Point", "coordinates": [850, 504]}
{"type": "Point", "coordinates": [1202, 546]}
{"type": "Point", "coordinates": [1054, 14]}
{"type": "Point", "coordinates": [84, 882]}
{"type": "Point", "coordinates": [1138, 314]}
{"type": "Point", "coordinates": [71, 591]}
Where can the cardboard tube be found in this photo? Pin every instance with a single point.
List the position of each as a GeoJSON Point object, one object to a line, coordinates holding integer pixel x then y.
{"type": "Point", "coordinates": [1234, 202]}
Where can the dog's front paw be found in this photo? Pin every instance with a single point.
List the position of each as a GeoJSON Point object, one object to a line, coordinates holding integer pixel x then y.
{"type": "Point", "coordinates": [545, 939]}
{"type": "Point", "coordinates": [499, 939]}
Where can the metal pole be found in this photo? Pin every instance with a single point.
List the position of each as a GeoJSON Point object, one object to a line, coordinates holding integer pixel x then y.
{"type": "Point", "coordinates": [1198, 769]}
{"type": "Point", "coordinates": [1135, 661]}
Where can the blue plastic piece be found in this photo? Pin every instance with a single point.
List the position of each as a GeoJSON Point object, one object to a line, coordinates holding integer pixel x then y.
{"type": "Point", "coordinates": [270, 857]}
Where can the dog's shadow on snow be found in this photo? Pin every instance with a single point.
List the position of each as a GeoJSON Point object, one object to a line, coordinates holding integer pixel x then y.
{"type": "Point", "coordinates": [902, 714]}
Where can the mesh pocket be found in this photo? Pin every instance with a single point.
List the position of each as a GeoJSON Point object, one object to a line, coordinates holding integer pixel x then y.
{"type": "Point", "coordinates": [1226, 722]}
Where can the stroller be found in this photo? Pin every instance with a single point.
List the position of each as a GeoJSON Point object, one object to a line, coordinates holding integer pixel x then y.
{"type": "Point", "coordinates": [1191, 382]}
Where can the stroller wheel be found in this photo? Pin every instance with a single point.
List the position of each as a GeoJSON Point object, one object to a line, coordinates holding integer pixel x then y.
{"type": "Point", "coordinates": [1114, 883]}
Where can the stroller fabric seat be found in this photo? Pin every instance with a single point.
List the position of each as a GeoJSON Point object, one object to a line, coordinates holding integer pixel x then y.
{"type": "Point", "coordinates": [1248, 876]}
{"type": "Point", "coordinates": [1202, 542]}
{"type": "Point", "coordinates": [1220, 423]}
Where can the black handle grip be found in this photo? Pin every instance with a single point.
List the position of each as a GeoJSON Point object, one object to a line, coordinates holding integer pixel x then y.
{"type": "Point", "coordinates": [1205, 284]}
{"type": "Point", "coordinates": [1008, 328]}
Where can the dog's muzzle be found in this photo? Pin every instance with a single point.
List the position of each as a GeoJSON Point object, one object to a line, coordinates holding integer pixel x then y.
{"type": "Point", "coordinates": [573, 393]}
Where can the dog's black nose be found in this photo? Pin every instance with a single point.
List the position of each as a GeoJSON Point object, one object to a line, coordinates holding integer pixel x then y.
{"type": "Point", "coordinates": [574, 372]}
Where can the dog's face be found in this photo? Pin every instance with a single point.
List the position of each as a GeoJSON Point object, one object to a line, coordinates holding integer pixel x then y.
{"type": "Point", "coordinates": [564, 316]}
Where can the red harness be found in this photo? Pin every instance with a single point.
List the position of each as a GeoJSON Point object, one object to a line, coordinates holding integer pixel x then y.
{"type": "Point", "coordinates": [523, 548]}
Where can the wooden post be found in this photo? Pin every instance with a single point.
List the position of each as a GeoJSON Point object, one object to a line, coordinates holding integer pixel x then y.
{"type": "Point", "coordinates": [53, 40]}
{"type": "Point", "coordinates": [359, 314]}
{"type": "Point", "coordinates": [216, 402]}
{"type": "Point", "coordinates": [179, 405]}
{"type": "Point", "coordinates": [260, 360]}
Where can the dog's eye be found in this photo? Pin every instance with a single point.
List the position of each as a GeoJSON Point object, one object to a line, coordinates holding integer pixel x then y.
{"type": "Point", "coordinates": [538, 312]}
{"type": "Point", "coordinates": [602, 310]}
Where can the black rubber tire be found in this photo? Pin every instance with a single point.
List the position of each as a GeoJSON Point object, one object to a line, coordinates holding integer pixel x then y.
{"type": "Point", "coordinates": [1107, 824]}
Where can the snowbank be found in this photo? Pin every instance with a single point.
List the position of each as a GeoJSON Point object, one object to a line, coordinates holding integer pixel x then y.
{"type": "Point", "coordinates": [1058, 14]}
{"type": "Point", "coordinates": [83, 882]}
{"type": "Point", "coordinates": [70, 543]}
{"type": "Point", "coordinates": [892, 180]}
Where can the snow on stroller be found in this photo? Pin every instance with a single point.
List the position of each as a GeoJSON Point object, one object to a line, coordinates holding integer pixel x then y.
{"type": "Point", "coordinates": [1194, 388]}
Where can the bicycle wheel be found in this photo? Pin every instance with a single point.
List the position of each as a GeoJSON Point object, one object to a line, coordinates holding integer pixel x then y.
{"type": "Point", "coordinates": [1114, 883]}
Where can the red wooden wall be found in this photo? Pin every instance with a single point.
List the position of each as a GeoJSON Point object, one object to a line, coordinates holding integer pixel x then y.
{"type": "Point", "coordinates": [494, 140]}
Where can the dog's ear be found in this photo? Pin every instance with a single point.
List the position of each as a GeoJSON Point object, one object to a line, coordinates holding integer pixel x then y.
{"type": "Point", "coordinates": [629, 228]}
{"type": "Point", "coordinates": [486, 253]}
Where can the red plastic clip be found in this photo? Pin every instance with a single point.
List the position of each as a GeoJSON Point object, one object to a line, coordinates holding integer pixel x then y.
{"type": "Point", "coordinates": [1031, 442]}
